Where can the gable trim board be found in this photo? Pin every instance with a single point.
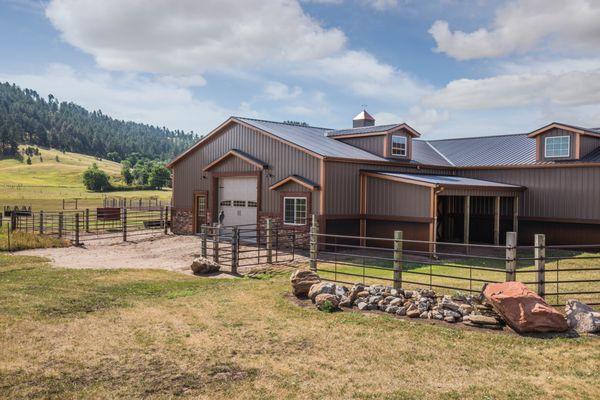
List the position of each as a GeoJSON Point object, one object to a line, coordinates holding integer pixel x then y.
{"type": "Point", "coordinates": [310, 185]}
{"type": "Point", "coordinates": [241, 155]}
{"type": "Point", "coordinates": [566, 127]}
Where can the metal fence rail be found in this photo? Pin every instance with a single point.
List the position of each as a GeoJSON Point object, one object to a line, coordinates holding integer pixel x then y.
{"type": "Point", "coordinates": [87, 225]}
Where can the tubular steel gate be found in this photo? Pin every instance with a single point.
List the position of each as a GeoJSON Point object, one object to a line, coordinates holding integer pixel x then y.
{"type": "Point", "coordinates": [86, 225]}
{"type": "Point", "coordinates": [241, 247]}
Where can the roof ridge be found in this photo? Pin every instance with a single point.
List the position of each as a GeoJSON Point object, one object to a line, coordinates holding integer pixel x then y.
{"type": "Point", "coordinates": [280, 123]}
{"type": "Point", "coordinates": [475, 137]}
{"type": "Point", "coordinates": [363, 127]}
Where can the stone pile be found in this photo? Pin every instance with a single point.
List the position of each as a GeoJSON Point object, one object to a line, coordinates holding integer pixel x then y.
{"type": "Point", "coordinates": [582, 317]}
{"type": "Point", "coordinates": [420, 303]}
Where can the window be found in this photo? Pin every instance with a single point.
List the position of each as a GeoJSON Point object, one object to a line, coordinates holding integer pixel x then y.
{"type": "Point", "coordinates": [239, 203]}
{"type": "Point", "coordinates": [252, 204]}
{"type": "Point", "coordinates": [226, 203]}
{"type": "Point", "coordinates": [558, 146]}
{"type": "Point", "coordinates": [294, 210]}
{"type": "Point", "coordinates": [398, 145]}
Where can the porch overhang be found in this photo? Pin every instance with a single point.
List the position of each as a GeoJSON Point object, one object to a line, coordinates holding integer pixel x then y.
{"type": "Point", "coordinates": [241, 155]}
{"type": "Point", "coordinates": [307, 183]}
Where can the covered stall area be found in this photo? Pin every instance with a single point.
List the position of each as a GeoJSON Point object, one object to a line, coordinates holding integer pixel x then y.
{"type": "Point", "coordinates": [453, 208]}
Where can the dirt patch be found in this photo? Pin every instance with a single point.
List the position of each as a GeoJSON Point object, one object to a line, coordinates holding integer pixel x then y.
{"type": "Point", "coordinates": [171, 252]}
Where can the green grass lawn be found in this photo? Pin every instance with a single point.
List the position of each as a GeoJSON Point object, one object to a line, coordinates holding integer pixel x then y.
{"type": "Point", "coordinates": [43, 185]}
{"type": "Point", "coordinates": [462, 274]}
{"type": "Point", "coordinates": [158, 335]}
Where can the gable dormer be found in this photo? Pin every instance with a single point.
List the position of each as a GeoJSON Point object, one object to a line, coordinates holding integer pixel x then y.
{"type": "Point", "coordinates": [392, 141]}
{"type": "Point", "coordinates": [562, 142]}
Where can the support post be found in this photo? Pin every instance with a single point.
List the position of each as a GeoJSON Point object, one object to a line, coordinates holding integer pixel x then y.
{"type": "Point", "coordinates": [203, 237]}
{"type": "Point", "coordinates": [467, 220]}
{"type": "Point", "coordinates": [516, 215]}
{"type": "Point", "coordinates": [511, 256]}
{"type": "Point", "coordinates": [397, 259]}
{"type": "Point", "coordinates": [41, 222]}
{"type": "Point", "coordinates": [60, 224]}
{"type": "Point", "coordinates": [235, 248]}
{"type": "Point", "coordinates": [87, 220]}
{"type": "Point", "coordinates": [216, 234]}
{"type": "Point", "coordinates": [166, 222]}
{"type": "Point", "coordinates": [314, 229]}
{"type": "Point", "coordinates": [540, 263]}
{"type": "Point", "coordinates": [124, 218]}
{"type": "Point", "coordinates": [269, 243]}
{"type": "Point", "coordinates": [76, 229]}
{"type": "Point", "coordinates": [13, 221]}
{"type": "Point", "coordinates": [497, 220]}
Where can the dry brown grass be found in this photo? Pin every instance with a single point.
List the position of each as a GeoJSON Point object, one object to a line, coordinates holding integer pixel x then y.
{"type": "Point", "coordinates": [155, 334]}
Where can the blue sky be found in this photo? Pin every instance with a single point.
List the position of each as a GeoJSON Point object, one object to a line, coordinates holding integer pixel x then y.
{"type": "Point", "coordinates": [449, 68]}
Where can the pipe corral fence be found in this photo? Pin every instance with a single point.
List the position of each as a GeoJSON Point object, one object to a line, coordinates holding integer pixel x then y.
{"type": "Point", "coordinates": [555, 272]}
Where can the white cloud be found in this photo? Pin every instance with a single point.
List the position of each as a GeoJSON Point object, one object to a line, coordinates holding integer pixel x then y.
{"type": "Point", "coordinates": [520, 90]}
{"type": "Point", "coordinates": [129, 97]}
{"type": "Point", "coordinates": [381, 5]}
{"type": "Point", "coordinates": [423, 120]}
{"type": "Point", "coordinates": [362, 74]}
{"type": "Point", "coordinates": [522, 25]}
{"type": "Point", "coordinates": [281, 91]}
{"type": "Point", "coordinates": [189, 36]}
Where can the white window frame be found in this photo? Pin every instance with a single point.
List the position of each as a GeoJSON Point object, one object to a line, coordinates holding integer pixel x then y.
{"type": "Point", "coordinates": [295, 198]}
{"type": "Point", "coordinates": [557, 137]}
{"type": "Point", "coordinates": [403, 138]}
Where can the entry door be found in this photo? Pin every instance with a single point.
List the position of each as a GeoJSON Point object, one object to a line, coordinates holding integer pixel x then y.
{"type": "Point", "coordinates": [238, 200]}
{"type": "Point", "coordinates": [200, 203]}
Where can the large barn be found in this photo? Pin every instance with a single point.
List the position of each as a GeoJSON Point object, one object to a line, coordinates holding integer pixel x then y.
{"type": "Point", "coordinates": [370, 180]}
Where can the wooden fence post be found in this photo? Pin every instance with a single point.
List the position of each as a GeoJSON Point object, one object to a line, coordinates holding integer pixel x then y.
{"type": "Point", "coordinates": [540, 263]}
{"type": "Point", "coordinates": [397, 259]}
{"type": "Point", "coordinates": [166, 221]}
{"type": "Point", "coordinates": [269, 241]}
{"type": "Point", "coordinates": [60, 224]}
{"type": "Point", "coordinates": [124, 217]}
{"type": "Point", "coordinates": [76, 229]}
{"type": "Point", "coordinates": [87, 220]}
{"type": "Point", "coordinates": [203, 246]}
{"type": "Point", "coordinates": [235, 248]}
{"type": "Point", "coordinates": [41, 222]}
{"type": "Point", "coordinates": [13, 221]}
{"type": "Point", "coordinates": [511, 256]}
{"type": "Point", "coordinates": [314, 229]}
{"type": "Point", "coordinates": [216, 235]}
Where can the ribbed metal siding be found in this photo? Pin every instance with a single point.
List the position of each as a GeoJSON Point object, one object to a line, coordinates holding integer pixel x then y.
{"type": "Point", "coordinates": [397, 199]}
{"type": "Point", "coordinates": [588, 144]}
{"type": "Point", "coordinates": [342, 179]}
{"type": "Point", "coordinates": [571, 193]}
{"type": "Point", "coordinates": [554, 133]}
{"type": "Point", "coordinates": [372, 144]}
{"type": "Point", "coordinates": [283, 159]}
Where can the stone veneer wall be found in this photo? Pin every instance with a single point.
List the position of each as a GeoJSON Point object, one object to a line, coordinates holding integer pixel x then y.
{"type": "Point", "coordinates": [181, 222]}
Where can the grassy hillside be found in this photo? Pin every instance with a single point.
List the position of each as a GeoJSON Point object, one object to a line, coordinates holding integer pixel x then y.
{"type": "Point", "coordinates": [44, 184]}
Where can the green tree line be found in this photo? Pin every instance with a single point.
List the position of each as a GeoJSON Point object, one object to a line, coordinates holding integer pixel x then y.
{"type": "Point", "coordinates": [28, 118]}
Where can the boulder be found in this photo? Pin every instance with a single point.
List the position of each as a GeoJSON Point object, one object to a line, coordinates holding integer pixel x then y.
{"type": "Point", "coordinates": [203, 265]}
{"type": "Point", "coordinates": [522, 309]}
{"type": "Point", "coordinates": [482, 320]}
{"type": "Point", "coordinates": [582, 317]}
{"type": "Point", "coordinates": [345, 302]}
{"type": "Point", "coordinates": [415, 313]}
{"type": "Point", "coordinates": [324, 300]}
{"type": "Point", "coordinates": [362, 305]}
{"type": "Point", "coordinates": [401, 311]}
{"type": "Point", "coordinates": [320, 288]}
{"type": "Point", "coordinates": [302, 280]}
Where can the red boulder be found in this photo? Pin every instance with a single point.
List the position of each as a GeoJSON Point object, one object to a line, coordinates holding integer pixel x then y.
{"type": "Point", "coordinates": [522, 309]}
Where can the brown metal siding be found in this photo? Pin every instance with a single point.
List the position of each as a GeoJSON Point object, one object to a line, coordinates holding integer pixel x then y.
{"type": "Point", "coordinates": [552, 133]}
{"type": "Point", "coordinates": [477, 192]}
{"type": "Point", "coordinates": [342, 194]}
{"type": "Point", "coordinates": [396, 199]}
{"type": "Point", "coordinates": [292, 187]}
{"type": "Point", "coordinates": [404, 133]}
{"type": "Point", "coordinates": [569, 193]}
{"type": "Point", "coordinates": [283, 160]}
{"type": "Point", "coordinates": [372, 144]}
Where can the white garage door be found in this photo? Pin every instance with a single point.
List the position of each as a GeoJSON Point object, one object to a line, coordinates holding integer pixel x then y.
{"type": "Point", "coordinates": [238, 200]}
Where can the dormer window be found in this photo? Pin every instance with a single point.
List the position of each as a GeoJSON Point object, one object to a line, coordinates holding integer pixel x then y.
{"type": "Point", "coordinates": [557, 146]}
{"type": "Point", "coordinates": [399, 146]}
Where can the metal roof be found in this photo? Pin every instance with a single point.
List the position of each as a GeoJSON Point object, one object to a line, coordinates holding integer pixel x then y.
{"type": "Point", "coordinates": [488, 151]}
{"type": "Point", "coordinates": [449, 181]}
{"type": "Point", "coordinates": [361, 130]}
{"type": "Point", "coordinates": [424, 153]}
{"type": "Point", "coordinates": [312, 139]}
{"type": "Point", "coordinates": [364, 115]}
